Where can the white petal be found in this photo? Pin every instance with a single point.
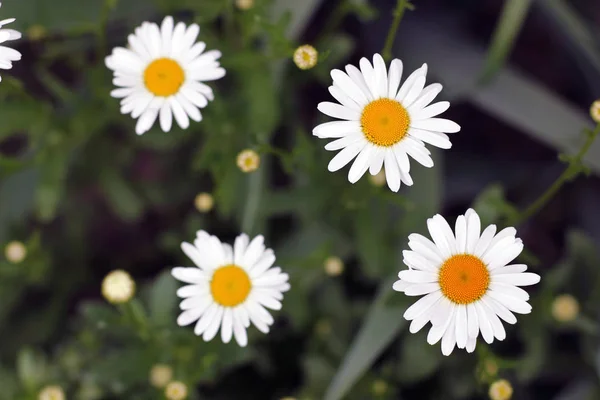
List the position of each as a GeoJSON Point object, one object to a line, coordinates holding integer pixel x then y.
{"type": "Point", "coordinates": [510, 269]}
{"type": "Point", "coordinates": [338, 111]}
{"type": "Point", "coordinates": [392, 171]}
{"type": "Point", "coordinates": [349, 86]}
{"type": "Point", "coordinates": [442, 235]}
{"type": "Point", "coordinates": [345, 156]}
{"type": "Point", "coordinates": [461, 235]}
{"type": "Point", "coordinates": [414, 91]}
{"type": "Point", "coordinates": [360, 164]}
{"type": "Point", "coordinates": [381, 78]}
{"type": "Point", "coordinates": [357, 77]}
{"type": "Point", "coordinates": [436, 139]}
{"type": "Point", "coordinates": [437, 125]}
{"type": "Point", "coordinates": [484, 323]}
{"type": "Point", "coordinates": [239, 248]}
{"type": "Point", "coordinates": [417, 259]}
{"type": "Point", "coordinates": [227, 326]}
{"type": "Point", "coordinates": [427, 96]}
{"type": "Point", "coordinates": [421, 305]}
{"type": "Point", "coordinates": [471, 342]}
{"type": "Point", "coordinates": [449, 339]}
{"type": "Point", "coordinates": [472, 321]}
{"type": "Point", "coordinates": [485, 240]}
{"type": "Point", "coordinates": [206, 319]}
{"type": "Point", "coordinates": [509, 290]}
{"type": "Point", "coordinates": [415, 276]}
{"type": "Point", "coordinates": [189, 316]}
{"type": "Point", "coordinates": [417, 151]}
{"type": "Point", "coordinates": [213, 328]}
{"type": "Point", "coordinates": [473, 230]}
{"type": "Point", "coordinates": [180, 115]}
{"type": "Point", "coordinates": [145, 121]}
{"type": "Point", "coordinates": [497, 327]}
{"type": "Point", "coordinates": [432, 110]}
{"type": "Point", "coordinates": [188, 275]}
{"type": "Point", "coordinates": [407, 85]}
{"type": "Point", "coordinates": [518, 279]}
{"type": "Point", "coordinates": [369, 76]}
{"type": "Point", "coordinates": [512, 303]}
{"type": "Point", "coordinates": [420, 289]}
{"type": "Point", "coordinates": [336, 129]}
{"type": "Point", "coordinates": [461, 326]}
{"type": "Point", "coordinates": [395, 75]}
{"type": "Point", "coordinates": [343, 98]}
{"type": "Point", "coordinates": [422, 319]}
{"type": "Point", "coordinates": [166, 118]}
{"type": "Point", "coordinates": [437, 331]}
{"type": "Point", "coordinates": [239, 330]}
{"type": "Point", "coordinates": [500, 310]}
{"type": "Point", "coordinates": [377, 161]}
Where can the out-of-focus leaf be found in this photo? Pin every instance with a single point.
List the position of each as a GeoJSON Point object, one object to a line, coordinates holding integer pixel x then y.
{"type": "Point", "coordinates": [507, 29]}
{"type": "Point", "coordinates": [8, 383]}
{"type": "Point", "coordinates": [54, 166]}
{"type": "Point", "coordinates": [334, 50]}
{"type": "Point", "coordinates": [122, 198]}
{"type": "Point", "coordinates": [376, 333]}
{"type": "Point", "coordinates": [369, 228]}
{"type": "Point", "coordinates": [17, 194]}
{"type": "Point", "coordinates": [419, 359]}
{"type": "Point", "coordinates": [492, 206]}
{"type": "Point", "coordinates": [162, 300]}
{"type": "Point", "coordinates": [31, 367]}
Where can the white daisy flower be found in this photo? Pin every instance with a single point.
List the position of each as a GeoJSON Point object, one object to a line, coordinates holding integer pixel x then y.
{"type": "Point", "coordinates": [467, 283]}
{"type": "Point", "coordinates": [8, 55]}
{"type": "Point", "coordinates": [161, 74]}
{"type": "Point", "coordinates": [230, 287]}
{"type": "Point", "coordinates": [381, 124]}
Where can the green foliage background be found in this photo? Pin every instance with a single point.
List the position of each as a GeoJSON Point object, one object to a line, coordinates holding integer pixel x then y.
{"type": "Point", "coordinates": [76, 167]}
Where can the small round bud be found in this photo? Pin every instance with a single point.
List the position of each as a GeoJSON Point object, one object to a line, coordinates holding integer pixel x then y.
{"type": "Point", "coordinates": [380, 387]}
{"type": "Point", "coordinates": [244, 4]}
{"type": "Point", "coordinates": [306, 57]}
{"type": "Point", "coordinates": [334, 266]}
{"type": "Point", "coordinates": [15, 252]}
{"type": "Point", "coordinates": [118, 287]}
{"type": "Point", "coordinates": [565, 308]}
{"type": "Point", "coordinates": [595, 111]}
{"type": "Point", "coordinates": [36, 32]}
{"type": "Point", "coordinates": [248, 160]}
{"type": "Point", "coordinates": [176, 391]}
{"type": "Point", "coordinates": [204, 202]}
{"type": "Point", "coordinates": [160, 375]}
{"type": "Point", "coordinates": [378, 179]}
{"type": "Point", "coordinates": [53, 392]}
{"type": "Point", "coordinates": [501, 390]}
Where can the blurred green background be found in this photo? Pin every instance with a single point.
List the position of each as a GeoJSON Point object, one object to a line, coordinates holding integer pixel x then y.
{"type": "Point", "coordinates": [86, 196]}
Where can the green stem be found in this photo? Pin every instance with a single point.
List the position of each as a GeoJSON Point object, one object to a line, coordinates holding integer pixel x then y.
{"type": "Point", "coordinates": [134, 311]}
{"type": "Point", "coordinates": [401, 7]}
{"type": "Point", "coordinates": [573, 169]}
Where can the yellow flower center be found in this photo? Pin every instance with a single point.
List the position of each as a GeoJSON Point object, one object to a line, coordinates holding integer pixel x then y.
{"type": "Point", "coordinates": [163, 77]}
{"type": "Point", "coordinates": [384, 122]}
{"type": "Point", "coordinates": [464, 278]}
{"type": "Point", "coordinates": [230, 285]}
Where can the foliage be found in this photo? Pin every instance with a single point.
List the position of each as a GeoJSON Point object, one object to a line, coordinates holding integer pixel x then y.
{"type": "Point", "coordinates": [86, 195]}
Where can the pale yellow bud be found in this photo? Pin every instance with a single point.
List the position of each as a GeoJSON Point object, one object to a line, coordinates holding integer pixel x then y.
{"type": "Point", "coordinates": [160, 375]}
{"type": "Point", "coordinates": [176, 391]}
{"type": "Point", "coordinates": [565, 308]}
{"type": "Point", "coordinates": [51, 393]}
{"type": "Point", "coordinates": [36, 32]}
{"type": "Point", "coordinates": [118, 287]}
{"type": "Point", "coordinates": [204, 202]}
{"type": "Point", "coordinates": [378, 179]}
{"type": "Point", "coordinates": [380, 387]}
{"type": "Point", "coordinates": [15, 252]}
{"type": "Point", "coordinates": [501, 390]}
{"type": "Point", "coordinates": [595, 111]}
{"type": "Point", "coordinates": [306, 57]}
{"type": "Point", "coordinates": [334, 266]}
{"type": "Point", "coordinates": [248, 160]}
{"type": "Point", "coordinates": [244, 4]}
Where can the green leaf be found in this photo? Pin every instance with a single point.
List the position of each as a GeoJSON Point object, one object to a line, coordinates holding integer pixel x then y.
{"type": "Point", "coordinates": [507, 29]}
{"type": "Point", "coordinates": [419, 359]}
{"type": "Point", "coordinates": [17, 194]}
{"type": "Point", "coordinates": [163, 302]}
{"type": "Point", "coordinates": [377, 332]}
{"type": "Point", "coordinates": [31, 368]}
{"type": "Point", "coordinates": [121, 196]}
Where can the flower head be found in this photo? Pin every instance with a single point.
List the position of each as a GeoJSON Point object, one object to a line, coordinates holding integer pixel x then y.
{"type": "Point", "coordinates": [467, 283]}
{"type": "Point", "coordinates": [565, 308]}
{"type": "Point", "coordinates": [501, 390]}
{"type": "Point", "coordinates": [118, 287]}
{"type": "Point", "coordinates": [160, 75]}
{"type": "Point", "coordinates": [8, 55]}
{"type": "Point", "coordinates": [244, 4]}
{"type": "Point", "coordinates": [382, 123]}
{"type": "Point", "coordinates": [306, 56]}
{"type": "Point", "coordinates": [51, 393]}
{"type": "Point", "coordinates": [204, 202]}
{"type": "Point", "coordinates": [160, 375]}
{"type": "Point", "coordinates": [230, 287]}
{"type": "Point", "coordinates": [15, 252]}
{"type": "Point", "coordinates": [176, 391]}
{"type": "Point", "coordinates": [333, 266]}
{"type": "Point", "coordinates": [248, 160]}
{"type": "Point", "coordinates": [595, 111]}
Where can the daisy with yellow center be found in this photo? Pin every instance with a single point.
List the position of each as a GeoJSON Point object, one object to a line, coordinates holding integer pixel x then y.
{"type": "Point", "coordinates": [467, 283]}
{"type": "Point", "coordinates": [160, 75]}
{"type": "Point", "coordinates": [382, 122]}
{"type": "Point", "coordinates": [248, 160]}
{"type": "Point", "coordinates": [8, 55]}
{"type": "Point", "coordinates": [230, 287]}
